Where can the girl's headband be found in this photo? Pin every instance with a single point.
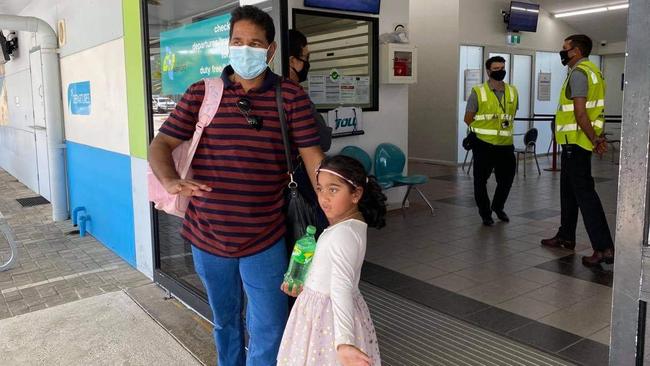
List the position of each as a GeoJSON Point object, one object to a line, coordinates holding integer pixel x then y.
{"type": "Point", "coordinates": [338, 175]}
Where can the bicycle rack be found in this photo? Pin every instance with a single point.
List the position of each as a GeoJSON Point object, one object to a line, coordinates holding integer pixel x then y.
{"type": "Point", "coordinates": [11, 239]}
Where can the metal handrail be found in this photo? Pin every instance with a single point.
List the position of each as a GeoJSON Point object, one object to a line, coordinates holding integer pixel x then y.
{"type": "Point", "coordinates": [11, 239]}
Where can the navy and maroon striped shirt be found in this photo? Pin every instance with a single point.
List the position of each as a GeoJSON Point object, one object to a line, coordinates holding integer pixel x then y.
{"type": "Point", "coordinates": [246, 168]}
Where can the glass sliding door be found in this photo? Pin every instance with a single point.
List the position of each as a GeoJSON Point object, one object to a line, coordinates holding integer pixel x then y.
{"type": "Point", "coordinates": [184, 42]}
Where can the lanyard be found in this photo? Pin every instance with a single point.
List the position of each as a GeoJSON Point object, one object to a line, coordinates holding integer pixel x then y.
{"type": "Point", "coordinates": [501, 103]}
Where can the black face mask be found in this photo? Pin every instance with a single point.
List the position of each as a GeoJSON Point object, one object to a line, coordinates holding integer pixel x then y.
{"type": "Point", "coordinates": [564, 56]}
{"type": "Point", "coordinates": [302, 74]}
{"type": "Point", "coordinates": [498, 75]}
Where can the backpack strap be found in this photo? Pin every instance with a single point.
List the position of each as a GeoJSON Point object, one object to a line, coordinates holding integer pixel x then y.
{"type": "Point", "coordinates": [209, 107]}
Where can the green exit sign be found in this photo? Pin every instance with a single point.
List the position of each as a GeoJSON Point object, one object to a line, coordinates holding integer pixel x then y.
{"type": "Point", "coordinates": [513, 39]}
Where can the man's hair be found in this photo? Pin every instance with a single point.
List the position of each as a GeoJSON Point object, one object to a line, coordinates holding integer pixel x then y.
{"type": "Point", "coordinates": [255, 15]}
{"type": "Point", "coordinates": [581, 42]}
{"type": "Point", "coordinates": [492, 60]}
{"type": "Point", "coordinates": [297, 41]}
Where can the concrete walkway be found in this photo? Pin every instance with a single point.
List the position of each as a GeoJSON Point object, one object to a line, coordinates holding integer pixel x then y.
{"type": "Point", "coordinates": [109, 329]}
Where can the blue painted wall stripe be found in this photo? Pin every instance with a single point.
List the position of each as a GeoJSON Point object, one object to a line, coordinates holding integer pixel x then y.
{"type": "Point", "coordinates": [100, 181]}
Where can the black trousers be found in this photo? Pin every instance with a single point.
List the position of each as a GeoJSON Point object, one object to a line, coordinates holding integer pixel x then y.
{"type": "Point", "coordinates": [490, 158]}
{"type": "Point", "coordinates": [577, 191]}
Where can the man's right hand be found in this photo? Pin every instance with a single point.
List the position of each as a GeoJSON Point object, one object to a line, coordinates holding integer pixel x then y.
{"type": "Point", "coordinates": [185, 187]}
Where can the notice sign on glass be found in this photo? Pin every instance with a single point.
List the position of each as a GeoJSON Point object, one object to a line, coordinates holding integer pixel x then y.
{"type": "Point", "coordinates": [192, 52]}
{"type": "Point", "coordinates": [544, 86]}
{"type": "Point", "coordinates": [337, 89]}
{"type": "Point", "coordinates": [472, 78]}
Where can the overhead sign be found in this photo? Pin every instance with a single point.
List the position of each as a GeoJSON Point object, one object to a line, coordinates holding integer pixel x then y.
{"type": "Point", "coordinates": [79, 99]}
{"type": "Point", "coordinates": [192, 52]}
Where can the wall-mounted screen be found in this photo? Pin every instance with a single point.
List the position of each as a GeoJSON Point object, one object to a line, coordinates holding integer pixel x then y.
{"type": "Point", "coordinates": [361, 6]}
{"type": "Point", "coordinates": [523, 17]}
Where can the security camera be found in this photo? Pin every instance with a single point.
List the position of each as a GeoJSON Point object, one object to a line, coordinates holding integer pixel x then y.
{"type": "Point", "coordinates": [603, 43]}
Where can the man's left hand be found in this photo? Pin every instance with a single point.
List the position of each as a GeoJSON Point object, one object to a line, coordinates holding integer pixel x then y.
{"type": "Point", "coordinates": [600, 145]}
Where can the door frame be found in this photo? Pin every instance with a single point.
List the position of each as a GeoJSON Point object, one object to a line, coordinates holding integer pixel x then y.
{"type": "Point", "coordinates": [189, 295]}
{"type": "Point", "coordinates": [517, 51]}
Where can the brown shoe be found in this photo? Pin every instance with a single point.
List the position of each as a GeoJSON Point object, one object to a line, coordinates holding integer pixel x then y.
{"type": "Point", "coordinates": [557, 242]}
{"type": "Point", "coordinates": [606, 256]}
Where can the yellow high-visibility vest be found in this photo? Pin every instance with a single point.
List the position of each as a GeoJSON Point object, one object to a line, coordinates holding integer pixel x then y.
{"type": "Point", "coordinates": [490, 120]}
{"type": "Point", "coordinates": [567, 130]}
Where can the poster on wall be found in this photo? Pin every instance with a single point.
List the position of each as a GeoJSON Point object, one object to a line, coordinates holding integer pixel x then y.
{"type": "Point", "coordinates": [335, 88]}
{"type": "Point", "coordinates": [345, 119]}
{"type": "Point", "coordinates": [472, 78]}
{"type": "Point", "coordinates": [192, 52]}
{"type": "Point", "coordinates": [4, 103]}
{"type": "Point", "coordinates": [544, 86]}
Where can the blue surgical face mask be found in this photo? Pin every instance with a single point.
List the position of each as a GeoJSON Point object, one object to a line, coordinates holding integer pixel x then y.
{"type": "Point", "coordinates": [248, 62]}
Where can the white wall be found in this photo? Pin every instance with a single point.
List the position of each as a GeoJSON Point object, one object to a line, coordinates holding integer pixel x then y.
{"type": "Point", "coordinates": [432, 127]}
{"type": "Point", "coordinates": [107, 125]}
{"type": "Point", "coordinates": [611, 48]}
{"type": "Point", "coordinates": [482, 24]}
{"type": "Point", "coordinates": [104, 18]}
{"type": "Point", "coordinates": [390, 123]}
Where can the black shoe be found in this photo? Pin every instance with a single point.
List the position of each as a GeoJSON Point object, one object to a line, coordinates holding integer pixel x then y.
{"type": "Point", "coordinates": [487, 221]}
{"type": "Point", "coordinates": [502, 215]}
{"type": "Point", "coordinates": [557, 242]}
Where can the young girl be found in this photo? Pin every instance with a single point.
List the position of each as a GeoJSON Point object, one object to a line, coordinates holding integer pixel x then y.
{"type": "Point", "coordinates": [330, 323]}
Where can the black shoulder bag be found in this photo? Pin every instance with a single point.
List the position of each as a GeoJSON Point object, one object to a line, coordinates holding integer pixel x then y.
{"type": "Point", "coordinates": [300, 211]}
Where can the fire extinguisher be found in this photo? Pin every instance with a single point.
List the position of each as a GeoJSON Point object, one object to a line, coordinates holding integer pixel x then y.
{"type": "Point", "coordinates": [400, 67]}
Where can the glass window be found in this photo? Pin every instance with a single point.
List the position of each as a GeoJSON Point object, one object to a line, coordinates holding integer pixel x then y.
{"type": "Point", "coordinates": [343, 58]}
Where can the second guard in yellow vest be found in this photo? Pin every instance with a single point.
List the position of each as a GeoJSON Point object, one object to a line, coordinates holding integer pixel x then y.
{"type": "Point", "coordinates": [579, 124]}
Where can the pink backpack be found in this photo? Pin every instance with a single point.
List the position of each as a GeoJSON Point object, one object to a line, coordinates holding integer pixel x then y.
{"type": "Point", "coordinates": [175, 204]}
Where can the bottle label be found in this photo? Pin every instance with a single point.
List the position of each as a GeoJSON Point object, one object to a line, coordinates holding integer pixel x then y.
{"type": "Point", "coordinates": [301, 257]}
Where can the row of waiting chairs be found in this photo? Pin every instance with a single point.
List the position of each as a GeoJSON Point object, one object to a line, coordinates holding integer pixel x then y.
{"type": "Point", "coordinates": [389, 166]}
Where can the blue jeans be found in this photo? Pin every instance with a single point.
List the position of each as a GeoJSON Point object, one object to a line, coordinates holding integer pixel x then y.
{"type": "Point", "coordinates": [261, 275]}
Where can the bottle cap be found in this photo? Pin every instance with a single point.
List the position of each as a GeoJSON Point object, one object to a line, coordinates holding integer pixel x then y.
{"type": "Point", "coordinates": [311, 230]}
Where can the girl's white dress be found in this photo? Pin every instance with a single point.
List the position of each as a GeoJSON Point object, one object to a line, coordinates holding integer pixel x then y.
{"type": "Point", "coordinates": [330, 310]}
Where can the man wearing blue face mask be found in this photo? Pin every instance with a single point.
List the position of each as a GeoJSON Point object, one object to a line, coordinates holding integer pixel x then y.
{"type": "Point", "coordinates": [235, 221]}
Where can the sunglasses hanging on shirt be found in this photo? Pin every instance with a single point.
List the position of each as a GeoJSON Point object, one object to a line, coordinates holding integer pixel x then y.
{"type": "Point", "coordinates": [245, 107]}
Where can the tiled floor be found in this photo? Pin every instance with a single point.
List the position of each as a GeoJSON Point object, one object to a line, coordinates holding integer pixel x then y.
{"type": "Point", "coordinates": [503, 266]}
{"type": "Point", "coordinates": [54, 266]}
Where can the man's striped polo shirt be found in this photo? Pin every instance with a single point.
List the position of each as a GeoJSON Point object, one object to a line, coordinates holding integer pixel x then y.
{"type": "Point", "coordinates": [246, 168]}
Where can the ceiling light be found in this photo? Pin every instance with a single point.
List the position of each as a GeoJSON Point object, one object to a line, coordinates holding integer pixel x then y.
{"type": "Point", "coordinates": [617, 7]}
{"type": "Point", "coordinates": [592, 10]}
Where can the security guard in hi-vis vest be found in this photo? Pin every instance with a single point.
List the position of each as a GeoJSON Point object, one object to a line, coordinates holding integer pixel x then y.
{"type": "Point", "coordinates": [490, 115]}
{"type": "Point", "coordinates": [579, 124]}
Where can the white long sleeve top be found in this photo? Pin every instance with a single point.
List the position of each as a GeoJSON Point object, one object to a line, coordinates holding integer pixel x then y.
{"type": "Point", "coordinates": [336, 271]}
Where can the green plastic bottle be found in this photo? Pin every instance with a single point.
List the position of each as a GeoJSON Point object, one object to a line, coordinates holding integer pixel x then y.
{"type": "Point", "coordinates": [303, 252]}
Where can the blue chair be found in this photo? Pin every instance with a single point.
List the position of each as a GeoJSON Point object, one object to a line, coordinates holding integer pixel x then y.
{"type": "Point", "coordinates": [360, 155]}
{"type": "Point", "coordinates": [365, 160]}
{"type": "Point", "coordinates": [389, 165]}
